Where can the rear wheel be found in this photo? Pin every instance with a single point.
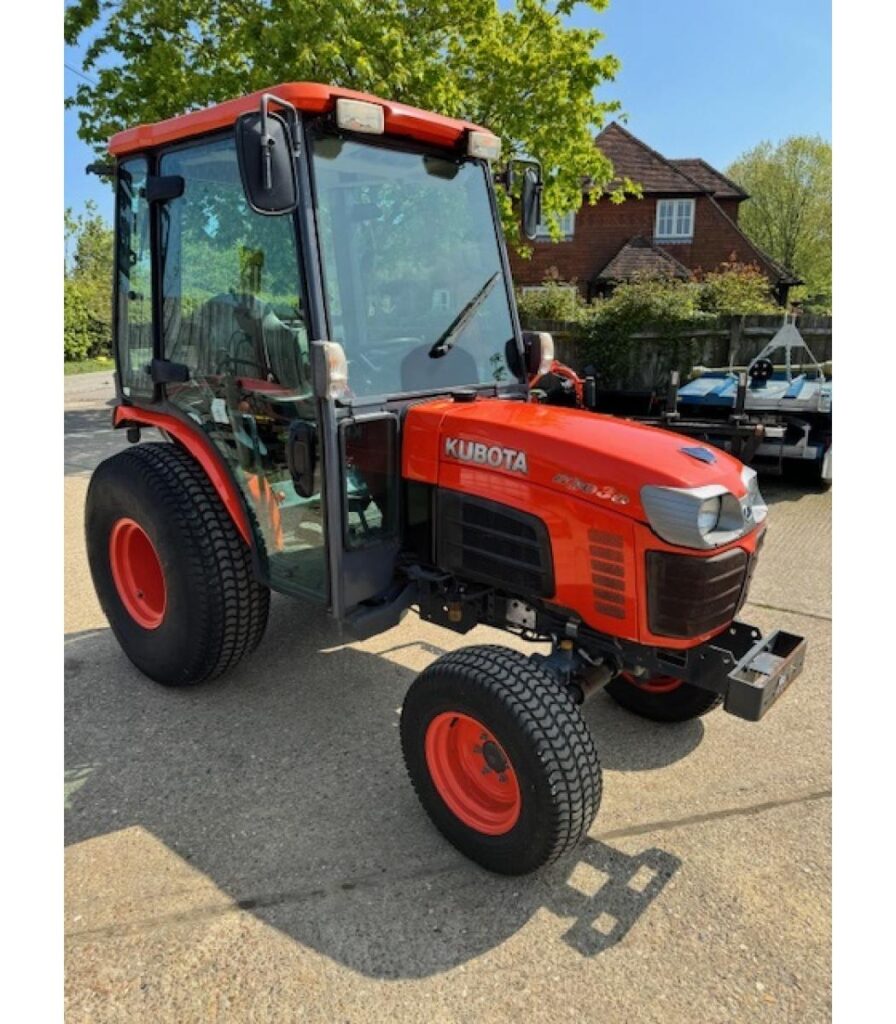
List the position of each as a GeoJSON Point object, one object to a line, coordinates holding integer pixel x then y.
{"type": "Point", "coordinates": [501, 758]}
{"type": "Point", "coordinates": [171, 571]}
{"type": "Point", "coordinates": [662, 698]}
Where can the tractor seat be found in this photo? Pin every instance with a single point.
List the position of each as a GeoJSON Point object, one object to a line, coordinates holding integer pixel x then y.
{"type": "Point", "coordinates": [241, 335]}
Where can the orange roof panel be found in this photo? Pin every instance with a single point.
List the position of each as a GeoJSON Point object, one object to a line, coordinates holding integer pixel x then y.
{"type": "Point", "coordinates": [309, 97]}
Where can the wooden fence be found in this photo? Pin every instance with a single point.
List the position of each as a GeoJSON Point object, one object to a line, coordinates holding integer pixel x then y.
{"type": "Point", "coordinates": [728, 341]}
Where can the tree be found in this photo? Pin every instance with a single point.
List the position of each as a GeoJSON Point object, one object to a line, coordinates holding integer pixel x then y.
{"type": "Point", "coordinates": [522, 72]}
{"type": "Point", "coordinates": [88, 280]}
{"type": "Point", "coordinates": [789, 210]}
{"type": "Point", "coordinates": [736, 289]}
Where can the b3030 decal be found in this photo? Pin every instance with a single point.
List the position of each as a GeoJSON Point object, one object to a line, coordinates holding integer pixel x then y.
{"type": "Point", "coordinates": [603, 491]}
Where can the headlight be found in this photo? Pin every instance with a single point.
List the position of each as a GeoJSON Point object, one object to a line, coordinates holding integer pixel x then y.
{"type": "Point", "coordinates": [704, 517]}
{"type": "Point", "coordinates": [708, 515]}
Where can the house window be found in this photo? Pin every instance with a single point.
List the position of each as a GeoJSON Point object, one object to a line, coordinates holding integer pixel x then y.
{"type": "Point", "coordinates": [567, 227]}
{"type": "Point", "coordinates": [674, 219]}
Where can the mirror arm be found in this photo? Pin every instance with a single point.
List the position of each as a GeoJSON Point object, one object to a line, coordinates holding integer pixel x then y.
{"type": "Point", "coordinates": [292, 117]}
{"type": "Point", "coordinates": [267, 142]}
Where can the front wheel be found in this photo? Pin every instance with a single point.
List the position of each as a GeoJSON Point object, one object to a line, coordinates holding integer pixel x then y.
{"type": "Point", "coordinates": [501, 758]}
{"type": "Point", "coordinates": [662, 698]}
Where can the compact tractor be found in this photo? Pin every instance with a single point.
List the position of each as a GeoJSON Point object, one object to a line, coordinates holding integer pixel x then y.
{"type": "Point", "coordinates": [313, 305]}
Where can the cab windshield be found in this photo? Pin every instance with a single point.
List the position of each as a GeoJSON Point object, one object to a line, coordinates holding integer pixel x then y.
{"type": "Point", "coordinates": [412, 270]}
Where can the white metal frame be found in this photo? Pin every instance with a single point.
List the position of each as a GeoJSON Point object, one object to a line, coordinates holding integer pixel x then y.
{"type": "Point", "coordinates": [674, 235]}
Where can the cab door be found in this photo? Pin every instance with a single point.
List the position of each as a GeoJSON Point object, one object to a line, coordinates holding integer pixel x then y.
{"type": "Point", "coordinates": [234, 315]}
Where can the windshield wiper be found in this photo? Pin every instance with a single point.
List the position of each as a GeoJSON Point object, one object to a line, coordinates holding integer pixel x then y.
{"type": "Point", "coordinates": [446, 339]}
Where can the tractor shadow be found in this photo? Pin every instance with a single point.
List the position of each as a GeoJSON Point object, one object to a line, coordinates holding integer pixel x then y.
{"type": "Point", "coordinates": [284, 785]}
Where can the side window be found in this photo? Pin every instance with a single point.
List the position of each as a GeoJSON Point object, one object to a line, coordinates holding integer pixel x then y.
{"type": "Point", "coordinates": [134, 294]}
{"type": "Point", "coordinates": [370, 481]}
{"type": "Point", "coordinates": [231, 298]}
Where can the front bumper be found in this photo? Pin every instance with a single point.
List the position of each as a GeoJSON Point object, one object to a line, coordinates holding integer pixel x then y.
{"type": "Point", "coordinates": [750, 671]}
{"type": "Point", "coordinates": [764, 673]}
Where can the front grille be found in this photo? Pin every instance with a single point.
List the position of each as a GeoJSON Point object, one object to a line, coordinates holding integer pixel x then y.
{"type": "Point", "coordinates": [688, 596]}
{"type": "Point", "coordinates": [492, 543]}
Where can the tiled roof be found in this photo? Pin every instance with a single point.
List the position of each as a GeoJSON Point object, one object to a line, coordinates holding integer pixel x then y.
{"type": "Point", "coordinates": [640, 258]}
{"type": "Point", "coordinates": [710, 179]}
{"type": "Point", "coordinates": [632, 158]}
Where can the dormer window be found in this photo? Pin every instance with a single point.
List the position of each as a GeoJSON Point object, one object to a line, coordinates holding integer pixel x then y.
{"type": "Point", "coordinates": [674, 220]}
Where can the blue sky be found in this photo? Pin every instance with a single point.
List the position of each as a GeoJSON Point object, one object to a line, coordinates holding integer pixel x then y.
{"type": "Point", "coordinates": [708, 78]}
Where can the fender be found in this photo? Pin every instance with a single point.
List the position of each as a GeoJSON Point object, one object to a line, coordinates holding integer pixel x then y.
{"type": "Point", "coordinates": [202, 450]}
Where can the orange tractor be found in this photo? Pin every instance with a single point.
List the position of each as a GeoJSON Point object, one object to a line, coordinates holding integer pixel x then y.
{"type": "Point", "coordinates": [313, 304]}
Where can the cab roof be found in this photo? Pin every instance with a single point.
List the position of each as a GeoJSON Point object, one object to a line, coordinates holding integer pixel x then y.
{"type": "Point", "coordinates": [308, 97]}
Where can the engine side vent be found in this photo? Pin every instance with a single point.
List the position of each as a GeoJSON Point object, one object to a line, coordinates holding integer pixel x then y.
{"type": "Point", "coordinates": [607, 573]}
{"type": "Point", "coordinates": [492, 543]}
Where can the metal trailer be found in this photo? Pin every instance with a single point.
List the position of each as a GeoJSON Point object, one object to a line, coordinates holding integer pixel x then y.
{"type": "Point", "coordinates": [774, 412]}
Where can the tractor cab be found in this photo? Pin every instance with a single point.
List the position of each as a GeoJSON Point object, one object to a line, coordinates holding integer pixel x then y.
{"type": "Point", "coordinates": [294, 269]}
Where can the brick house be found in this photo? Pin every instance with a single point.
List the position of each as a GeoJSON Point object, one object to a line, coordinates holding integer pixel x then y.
{"type": "Point", "coordinates": [685, 222]}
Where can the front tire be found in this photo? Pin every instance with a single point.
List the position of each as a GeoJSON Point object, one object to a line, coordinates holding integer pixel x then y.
{"type": "Point", "coordinates": [171, 571]}
{"type": "Point", "coordinates": [662, 698]}
{"type": "Point", "coordinates": [500, 758]}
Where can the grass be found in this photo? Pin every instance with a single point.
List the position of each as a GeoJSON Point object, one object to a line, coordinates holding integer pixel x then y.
{"type": "Point", "coordinates": [90, 365]}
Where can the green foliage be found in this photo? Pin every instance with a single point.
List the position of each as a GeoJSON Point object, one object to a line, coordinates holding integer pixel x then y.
{"type": "Point", "coordinates": [553, 300]}
{"type": "Point", "coordinates": [661, 304]}
{"type": "Point", "coordinates": [666, 307]}
{"type": "Point", "coordinates": [789, 210]}
{"type": "Point", "coordinates": [88, 285]}
{"type": "Point", "coordinates": [523, 72]}
{"type": "Point", "coordinates": [736, 289]}
{"type": "Point", "coordinates": [650, 300]}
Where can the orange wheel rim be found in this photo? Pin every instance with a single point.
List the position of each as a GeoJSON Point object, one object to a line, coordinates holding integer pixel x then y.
{"type": "Point", "coordinates": [137, 573]}
{"type": "Point", "coordinates": [656, 684]}
{"type": "Point", "coordinates": [472, 773]}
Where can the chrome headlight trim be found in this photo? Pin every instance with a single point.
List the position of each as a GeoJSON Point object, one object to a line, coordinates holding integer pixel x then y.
{"type": "Point", "coordinates": [752, 503]}
{"type": "Point", "coordinates": [673, 513]}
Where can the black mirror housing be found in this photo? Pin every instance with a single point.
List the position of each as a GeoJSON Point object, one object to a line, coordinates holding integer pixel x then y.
{"type": "Point", "coordinates": [532, 352]}
{"type": "Point", "coordinates": [265, 151]}
{"type": "Point", "coordinates": [531, 201]}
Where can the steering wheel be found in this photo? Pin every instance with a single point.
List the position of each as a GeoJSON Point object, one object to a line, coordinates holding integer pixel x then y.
{"type": "Point", "coordinates": [761, 371]}
{"type": "Point", "coordinates": [382, 359]}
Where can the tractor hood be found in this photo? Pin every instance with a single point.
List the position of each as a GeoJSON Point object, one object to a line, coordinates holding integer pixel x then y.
{"type": "Point", "coordinates": [595, 457]}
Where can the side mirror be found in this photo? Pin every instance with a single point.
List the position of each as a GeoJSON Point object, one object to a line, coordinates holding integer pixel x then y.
{"type": "Point", "coordinates": [530, 191]}
{"type": "Point", "coordinates": [538, 352]}
{"type": "Point", "coordinates": [265, 146]}
{"type": "Point", "coordinates": [531, 201]}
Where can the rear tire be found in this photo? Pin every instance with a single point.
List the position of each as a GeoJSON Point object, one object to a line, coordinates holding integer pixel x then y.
{"type": "Point", "coordinates": [171, 571]}
{"type": "Point", "coordinates": [660, 700]}
{"type": "Point", "coordinates": [522, 783]}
